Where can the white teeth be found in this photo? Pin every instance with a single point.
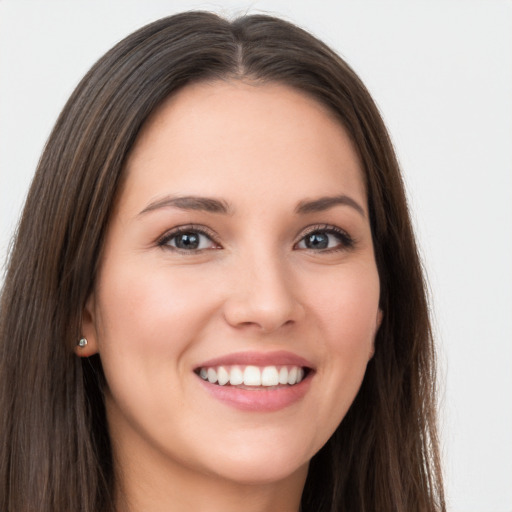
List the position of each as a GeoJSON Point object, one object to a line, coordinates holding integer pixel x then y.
{"type": "Point", "coordinates": [292, 375]}
{"type": "Point", "coordinates": [212, 375]}
{"type": "Point", "coordinates": [269, 376]}
{"type": "Point", "coordinates": [222, 375]}
{"type": "Point", "coordinates": [236, 377]}
{"type": "Point", "coordinates": [252, 376]}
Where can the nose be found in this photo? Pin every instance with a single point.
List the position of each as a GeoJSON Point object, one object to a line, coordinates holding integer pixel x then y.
{"type": "Point", "coordinates": [263, 296]}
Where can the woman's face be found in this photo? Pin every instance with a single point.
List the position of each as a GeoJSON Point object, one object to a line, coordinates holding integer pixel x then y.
{"type": "Point", "coordinates": [238, 261]}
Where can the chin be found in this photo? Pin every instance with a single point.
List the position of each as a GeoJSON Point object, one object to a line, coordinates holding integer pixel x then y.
{"type": "Point", "coordinates": [262, 473]}
{"type": "Point", "coordinates": [263, 465]}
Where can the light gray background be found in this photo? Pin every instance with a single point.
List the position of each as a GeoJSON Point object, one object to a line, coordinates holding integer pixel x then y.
{"type": "Point", "coordinates": [441, 72]}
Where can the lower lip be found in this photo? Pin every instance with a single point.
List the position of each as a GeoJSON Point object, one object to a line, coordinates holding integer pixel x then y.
{"type": "Point", "coordinates": [261, 399]}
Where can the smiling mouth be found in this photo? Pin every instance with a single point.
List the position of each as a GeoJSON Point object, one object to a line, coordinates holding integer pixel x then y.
{"type": "Point", "coordinates": [253, 377]}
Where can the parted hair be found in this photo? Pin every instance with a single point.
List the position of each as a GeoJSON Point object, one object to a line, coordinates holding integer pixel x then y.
{"type": "Point", "coordinates": [55, 450]}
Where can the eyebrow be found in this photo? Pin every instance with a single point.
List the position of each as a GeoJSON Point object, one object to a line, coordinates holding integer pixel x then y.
{"type": "Point", "coordinates": [325, 203]}
{"type": "Point", "coordinates": [206, 204]}
{"type": "Point", "coordinates": [212, 205]}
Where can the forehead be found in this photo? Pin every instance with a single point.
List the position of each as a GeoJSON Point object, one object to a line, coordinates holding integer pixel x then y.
{"type": "Point", "coordinates": [224, 136]}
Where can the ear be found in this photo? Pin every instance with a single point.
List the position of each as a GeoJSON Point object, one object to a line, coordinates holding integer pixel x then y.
{"type": "Point", "coordinates": [380, 315]}
{"type": "Point", "coordinates": [88, 329]}
{"type": "Point", "coordinates": [378, 322]}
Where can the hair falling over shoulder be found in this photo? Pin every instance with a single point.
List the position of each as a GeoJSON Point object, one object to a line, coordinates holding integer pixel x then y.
{"type": "Point", "coordinates": [55, 454]}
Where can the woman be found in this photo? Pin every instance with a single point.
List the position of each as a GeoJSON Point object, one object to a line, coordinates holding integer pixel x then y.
{"type": "Point", "coordinates": [214, 299]}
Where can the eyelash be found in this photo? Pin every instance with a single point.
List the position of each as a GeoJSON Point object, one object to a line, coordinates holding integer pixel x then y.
{"type": "Point", "coordinates": [346, 241]}
{"type": "Point", "coordinates": [182, 230]}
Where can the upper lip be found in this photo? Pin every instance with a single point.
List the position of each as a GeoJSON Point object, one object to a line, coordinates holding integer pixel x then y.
{"type": "Point", "coordinates": [276, 358]}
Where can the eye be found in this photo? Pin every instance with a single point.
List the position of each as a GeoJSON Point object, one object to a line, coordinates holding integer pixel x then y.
{"type": "Point", "coordinates": [188, 239]}
{"type": "Point", "coordinates": [326, 239]}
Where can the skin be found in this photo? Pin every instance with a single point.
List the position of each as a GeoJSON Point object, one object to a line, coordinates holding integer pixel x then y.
{"type": "Point", "coordinates": [157, 312]}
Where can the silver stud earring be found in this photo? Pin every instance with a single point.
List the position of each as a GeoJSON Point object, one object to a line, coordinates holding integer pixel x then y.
{"type": "Point", "coordinates": [82, 342]}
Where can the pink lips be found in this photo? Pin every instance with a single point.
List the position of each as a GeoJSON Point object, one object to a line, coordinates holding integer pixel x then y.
{"type": "Point", "coordinates": [258, 359]}
{"type": "Point", "coordinates": [259, 399]}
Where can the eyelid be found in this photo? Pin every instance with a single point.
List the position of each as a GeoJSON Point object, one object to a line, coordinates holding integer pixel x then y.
{"type": "Point", "coordinates": [347, 241]}
{"type": "Point", "coordinates": [187, 228]}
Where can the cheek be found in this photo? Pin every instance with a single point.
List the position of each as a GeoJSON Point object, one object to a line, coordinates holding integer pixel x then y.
{"type": "Point", "coordinates": [147, 319]}
{"type": "Point", "coordinates": [143, 309]}
{"type": "Point", "coordinates": [147, 322]}
{"type": "Point", "coordinates": [347, 315]}
{"type": "Point", "coordinates": [347, 307]}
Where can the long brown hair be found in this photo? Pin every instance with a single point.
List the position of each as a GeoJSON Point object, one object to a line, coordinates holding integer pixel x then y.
{"type": "Point", "coordinates": [55, 453]}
